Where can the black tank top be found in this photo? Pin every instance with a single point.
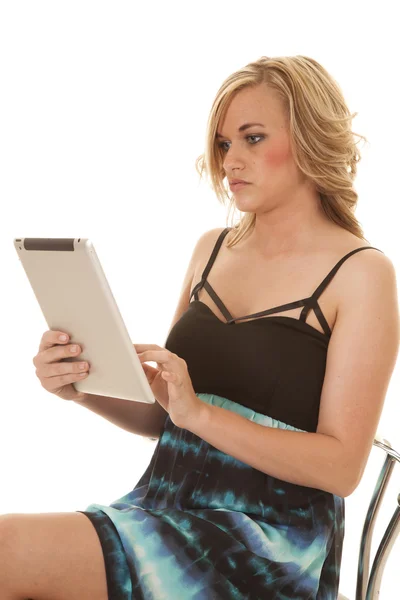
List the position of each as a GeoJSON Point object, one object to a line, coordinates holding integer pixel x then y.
{"type": "Point", "coordinates": [274, 365]}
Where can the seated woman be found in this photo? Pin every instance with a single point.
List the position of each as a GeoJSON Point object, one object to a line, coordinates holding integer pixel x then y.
{"type": "Point", "coordinates": [269, 388]}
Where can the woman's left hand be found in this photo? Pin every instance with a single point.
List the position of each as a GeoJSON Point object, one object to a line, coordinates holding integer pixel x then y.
{"type": "Point", "coordinates": [184, 407]}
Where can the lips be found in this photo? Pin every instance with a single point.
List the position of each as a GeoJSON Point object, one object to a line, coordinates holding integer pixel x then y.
{"type": "Point", "coordinates": [238, 186]}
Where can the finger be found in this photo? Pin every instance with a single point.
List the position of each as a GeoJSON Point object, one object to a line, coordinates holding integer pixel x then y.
{"type": "Point", "coordinates": [52, 383]}
{"type": "Point", "coordinates": [172, 378]}
{"type": "Point", "coordinates": [50, 338]}
{"type": "Point", "coordinates": [159, 356]}
{"type": "Point", "coordinates": [143, 347]}
{"type": "Point", "coordinates": [56, 353]}
{"type": "Point", "coordinates": [63, 368]}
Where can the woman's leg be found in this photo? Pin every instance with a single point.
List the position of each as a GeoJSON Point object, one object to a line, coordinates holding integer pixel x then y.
{"type": "Point", "coordinates": [50, 556]}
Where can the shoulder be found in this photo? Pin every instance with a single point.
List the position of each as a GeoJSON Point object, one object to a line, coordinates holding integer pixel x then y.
{"type": "Point", "coordinates": [206, 243]}
{"type": "Point", "coordinates": [363, 266]}
{"type": "Point", "coordinates": [367, 266]}
{"type": "Point", "coordinates": [211, 235]}
{"type": "Point", "coordinates": [368, 283]}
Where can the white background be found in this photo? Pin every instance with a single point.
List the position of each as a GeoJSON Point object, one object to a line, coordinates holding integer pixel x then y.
{"type": "Point", "coordinates": [103, 110]}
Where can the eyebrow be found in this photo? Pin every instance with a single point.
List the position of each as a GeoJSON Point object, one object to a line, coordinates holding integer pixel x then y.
{"type": "Point", "coordinates": [243, 127]}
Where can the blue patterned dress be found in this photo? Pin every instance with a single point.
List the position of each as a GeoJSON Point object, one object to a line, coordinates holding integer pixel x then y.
{"type": "Point", "coordinates": [202, 525]}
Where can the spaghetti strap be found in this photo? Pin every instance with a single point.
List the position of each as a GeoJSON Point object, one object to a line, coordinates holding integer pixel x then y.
{"type": "Point", "coordinates": [208, 267]}
{"type": "Point", "coordinates": [312, 301]}
{"type": "Point", "coordinates": [332, 273]}
{"type": "Point", "coordinates": [214, 253]}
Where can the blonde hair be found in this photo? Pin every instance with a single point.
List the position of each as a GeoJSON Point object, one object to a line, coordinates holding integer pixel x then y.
{"type": "Point", "coordinates": [323, 145]}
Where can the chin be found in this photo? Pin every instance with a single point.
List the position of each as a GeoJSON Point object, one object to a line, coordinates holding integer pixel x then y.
{"type": "Point", "coordinates": [244, 200]}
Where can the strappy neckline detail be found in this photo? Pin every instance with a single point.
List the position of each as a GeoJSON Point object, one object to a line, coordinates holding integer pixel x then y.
{"type": "Point", "coordinates": [311, 302]}
{"type": "Point", "coordinates": [280, 319]}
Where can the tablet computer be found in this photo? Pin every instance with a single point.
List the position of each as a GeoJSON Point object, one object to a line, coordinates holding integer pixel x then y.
{"type": "Point", "coordinates": [72, 290]}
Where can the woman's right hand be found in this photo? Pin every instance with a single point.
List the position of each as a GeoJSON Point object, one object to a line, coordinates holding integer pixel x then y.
{"type": "Point", "coordinates": [57, 376]}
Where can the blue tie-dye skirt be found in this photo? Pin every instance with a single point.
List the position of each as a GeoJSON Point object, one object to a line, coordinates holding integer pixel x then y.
{"type": "Point", "coordinates": [202, 525]}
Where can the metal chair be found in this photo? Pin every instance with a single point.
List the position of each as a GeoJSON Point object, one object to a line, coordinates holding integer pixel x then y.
{"type": "Point", "coordinates": [368, 583]}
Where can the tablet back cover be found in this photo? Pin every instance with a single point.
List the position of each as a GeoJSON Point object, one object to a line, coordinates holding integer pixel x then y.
{"type": "Point", "coordinates": [74, 295]}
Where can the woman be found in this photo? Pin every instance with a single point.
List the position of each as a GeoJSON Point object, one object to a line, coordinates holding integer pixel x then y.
{"type": "Point", "coordinates": [270, 386]}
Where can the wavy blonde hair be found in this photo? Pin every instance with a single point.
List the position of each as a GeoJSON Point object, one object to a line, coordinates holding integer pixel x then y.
{"type": "Point", "coordinates": [323, 145]}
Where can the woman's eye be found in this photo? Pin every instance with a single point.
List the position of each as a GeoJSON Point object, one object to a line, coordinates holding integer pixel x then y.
{"type": "Point", "coordinates": [222, 144]}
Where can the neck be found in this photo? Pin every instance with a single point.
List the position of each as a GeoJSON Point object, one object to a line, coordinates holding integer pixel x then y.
{"type": "Point", "coordinates": [291, 228]}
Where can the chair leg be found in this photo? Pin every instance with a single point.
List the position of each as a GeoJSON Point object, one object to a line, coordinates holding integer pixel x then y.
{"type": "Point", "coordinates": [369, 523]}
{"type": "Point", "coordinates": [382, 554]}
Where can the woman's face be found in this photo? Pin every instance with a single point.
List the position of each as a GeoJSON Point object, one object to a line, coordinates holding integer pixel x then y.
{"type": "Point", "coordinates": [260, 154]}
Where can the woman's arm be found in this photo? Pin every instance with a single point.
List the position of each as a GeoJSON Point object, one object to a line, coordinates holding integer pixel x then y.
{"type": "Point", "coordinates": [140, 418]}
{"type": "Point", "coordinates": [362, 354]}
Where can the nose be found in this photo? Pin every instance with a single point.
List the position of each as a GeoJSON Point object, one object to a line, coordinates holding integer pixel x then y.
{"type": "Point", "coordinates": [232, 160]}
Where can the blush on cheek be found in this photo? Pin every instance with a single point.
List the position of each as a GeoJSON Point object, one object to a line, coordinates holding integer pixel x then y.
{"type": "Point", "coordinates": [277, 155]}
